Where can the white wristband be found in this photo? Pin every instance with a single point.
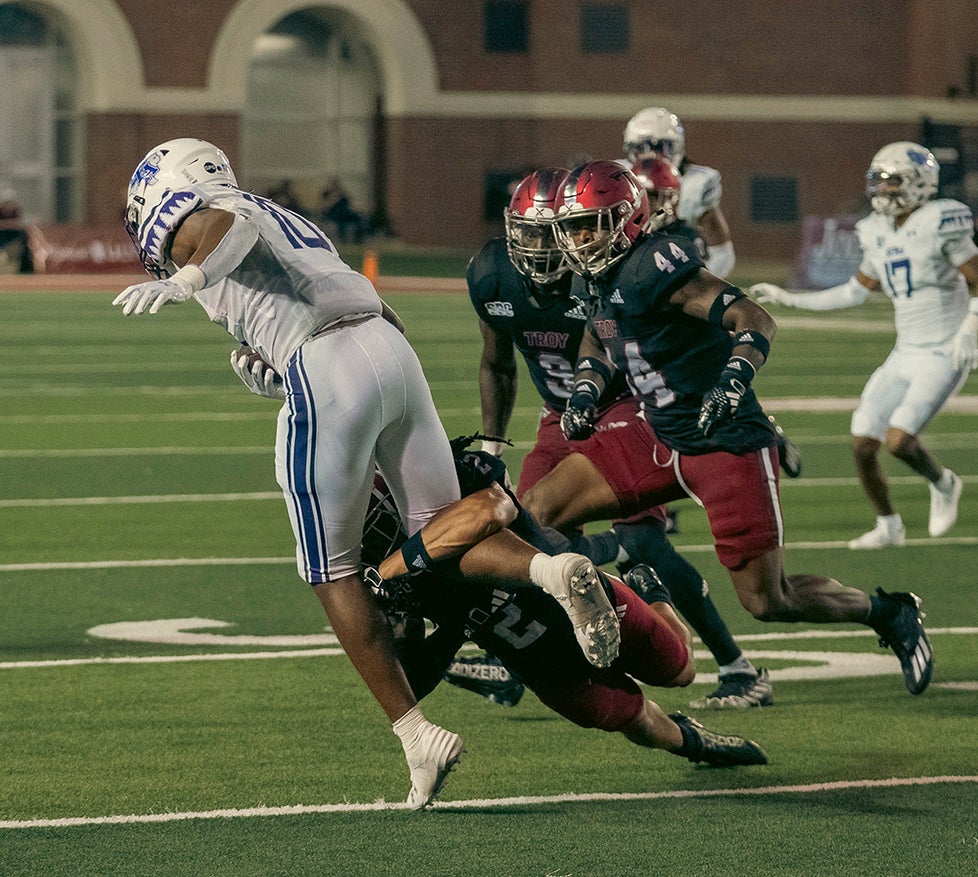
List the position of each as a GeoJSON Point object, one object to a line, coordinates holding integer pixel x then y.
{"type": "Point", "coordinates": [494, 448]}
{"type": "Point", "coordinates": [973, 305]}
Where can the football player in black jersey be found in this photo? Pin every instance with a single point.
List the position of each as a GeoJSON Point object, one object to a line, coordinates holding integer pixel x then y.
{"type": "Point", "coordinates": [474, 587]}
{"type": "Point", "coordinates": [520, 288]}
{"type": "Point", "coordinates": [689, 345]}
{"type": "Point", "coordinates": [662, 182]}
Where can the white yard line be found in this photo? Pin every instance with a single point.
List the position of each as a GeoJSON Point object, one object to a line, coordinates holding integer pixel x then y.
{"type": "Point", "coordinates": [486, 803]}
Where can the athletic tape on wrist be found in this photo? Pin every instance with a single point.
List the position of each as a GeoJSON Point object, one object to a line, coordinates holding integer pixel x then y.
{"type": "Point", "coordinates": [973, 305]}
{"type": "Point", "coordinates": [753, 338]}
{"type": "Point", "coordinates": [415, 555]}
{"type": "Point", "coordinates": [722, 302]}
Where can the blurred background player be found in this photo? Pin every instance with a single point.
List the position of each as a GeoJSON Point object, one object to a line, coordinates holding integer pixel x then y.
{"type": "Point", "coordinates": [655, 131]}
{"type": "Point", "coordinates": [477, 541]}
{"type": "Point", "coordinates": [920, 252]}
{"type": "Point", "coordinates": [520, 288]}
{"type": "Point", "coordinates": [690, 344]}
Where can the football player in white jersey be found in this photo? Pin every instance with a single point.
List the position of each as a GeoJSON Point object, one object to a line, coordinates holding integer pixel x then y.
{"type": "Point", "coordinates": [920, 252]}
{"type": "Point", "coordinates": [317, 336]}
{"type": "Point", "coordinates": [655, 131]}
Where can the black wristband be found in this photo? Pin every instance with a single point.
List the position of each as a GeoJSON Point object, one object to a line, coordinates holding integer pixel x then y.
{"type": "Point", "coordinates": [587, 388]}
{"type": "Point", "coordinates": [592, 364]}
{"type": "Point", "coordinates": [739, 368]}
{"type": "Point", "coordinates": [722, 302]}
{"type": "Point", "coordinates": [753, 339]}
{"type": "Point", "coordinates": [415, 555]}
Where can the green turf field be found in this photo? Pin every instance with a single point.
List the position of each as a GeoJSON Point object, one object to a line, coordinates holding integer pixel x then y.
{"type": "Point", "coordinates": [171, 702]}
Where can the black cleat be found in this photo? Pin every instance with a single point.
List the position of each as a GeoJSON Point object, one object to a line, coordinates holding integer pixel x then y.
{"type": "Point", "coordinates": [720, 750]}
{"type": "Point", "coordinates": [487, 676]}
{"type": "Point", "coordinates": [904, 633]}
{"type": "Point", "coordinates": [788, 454]}
{"type": "Point", "coordinates": [645, 582]}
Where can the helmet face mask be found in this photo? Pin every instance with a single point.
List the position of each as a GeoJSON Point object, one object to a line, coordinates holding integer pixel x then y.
{"type": "Point", "coordinates": [158, 197]}
{"type": "Point", "coordinates": [655, 131]}
{"type": "Point", "coordinates": [529, 218]}
{"type": "Point", "coordinates": [383, 532]}
{"type": "Point", "coordinates": [603, 210]}
{"type": "Point", "coordinates": [901, 177]}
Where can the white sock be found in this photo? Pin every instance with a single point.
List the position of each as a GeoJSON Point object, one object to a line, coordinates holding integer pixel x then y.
{"type": "Point", "coordinates": [741, 665]}
{"type": "Point", "coordinates": [945, 482]}
{"type": "Point", "coordinates": [409, 724]}
{"type": "Point", "coordinates": [889, 522]}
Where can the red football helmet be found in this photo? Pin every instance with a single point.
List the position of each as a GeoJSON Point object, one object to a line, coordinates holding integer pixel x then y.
{"type": "Point", "coordinates": [661, 180]}
{"type": "Point", "coordinates": [602, 211]}
{"type": "Point", "coordinates": [529, 220]}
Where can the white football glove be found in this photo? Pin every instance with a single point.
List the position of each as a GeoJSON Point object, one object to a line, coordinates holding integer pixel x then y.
{"type": "Point", "coordinates": [964, 347]}
{"type": "Point", "coordinates": [259, 377]}
{"type": "Point", "coordinates": [768, 293]}
{"type": "Point", "coordinates": [156, 293]}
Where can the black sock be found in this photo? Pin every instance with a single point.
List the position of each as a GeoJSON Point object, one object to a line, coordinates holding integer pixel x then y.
{"type": "Point", "coordinates": [881, 611]}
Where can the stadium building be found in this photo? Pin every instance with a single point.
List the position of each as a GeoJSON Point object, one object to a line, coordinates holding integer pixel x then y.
{"type": "Point", "coordinates": [426, 111]}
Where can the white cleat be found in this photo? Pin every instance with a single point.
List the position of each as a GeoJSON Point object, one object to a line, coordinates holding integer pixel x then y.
{"type": "Point", "coordinates": [944, 505]}
{"type": "Point", "coordinates": [885, 534]}
{"type": "Point", "coordinates": [432, 758]}
{"type": "Point", "coordinates": [574, 582]}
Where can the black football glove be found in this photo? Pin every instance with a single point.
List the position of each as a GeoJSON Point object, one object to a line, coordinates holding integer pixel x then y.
{"type": "Point", "coordinates": [722, 402]}
{"type": "Point", "coordinates": [577, 421]}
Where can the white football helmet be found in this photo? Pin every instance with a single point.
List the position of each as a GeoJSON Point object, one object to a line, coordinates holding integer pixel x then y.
{"type": "Point", "coordinates": [160, 195]}
{"type": "Point", "coordinates": [901, 177]}
{"type": "Point", "coordinates": [655, 131]}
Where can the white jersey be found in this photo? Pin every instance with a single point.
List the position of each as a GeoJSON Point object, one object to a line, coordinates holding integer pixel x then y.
{"type": "Point", "coordinates": [701, 190]}
{"type": "Point", "coordinates": [291, 284]}
{"type": "Point", "coordinates": [917, 266]}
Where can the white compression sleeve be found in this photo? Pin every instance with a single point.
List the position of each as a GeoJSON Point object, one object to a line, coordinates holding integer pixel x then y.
{"type": "Point", "coordinates": [845, 295]}
{"type": "Point", "coordinates": [720, 259]}
{"type": "Point", "coordinates": [230, 252]}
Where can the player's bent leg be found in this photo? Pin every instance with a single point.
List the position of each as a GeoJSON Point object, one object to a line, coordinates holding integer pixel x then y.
{"type": "Point", "coordinates": [574, 491]}
{"type": "Point", "coordinates": [656, 647]}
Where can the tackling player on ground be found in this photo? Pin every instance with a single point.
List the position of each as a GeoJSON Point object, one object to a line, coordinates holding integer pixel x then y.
{"type": "Point", "coordinates": [474, 589]}
{"type": "Point", "coordinates": [920, 252]}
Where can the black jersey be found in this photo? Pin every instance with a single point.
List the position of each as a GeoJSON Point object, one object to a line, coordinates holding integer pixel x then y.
{"type": "Point", "coordinates": [671, 359]}
{"type": "Point", "coordinates": [546, 325]}
{"type": "Point", "coordinates": [681, 229]}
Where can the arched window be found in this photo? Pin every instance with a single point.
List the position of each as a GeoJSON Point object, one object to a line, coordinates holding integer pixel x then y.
{"type": "Point", "coordinates": [40, 152]}
{"type": "Point", "coordinates": [311, 110]}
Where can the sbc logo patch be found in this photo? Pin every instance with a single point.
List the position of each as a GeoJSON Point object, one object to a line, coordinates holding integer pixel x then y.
{"type": "Point", "coordinates": [499, 309]}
